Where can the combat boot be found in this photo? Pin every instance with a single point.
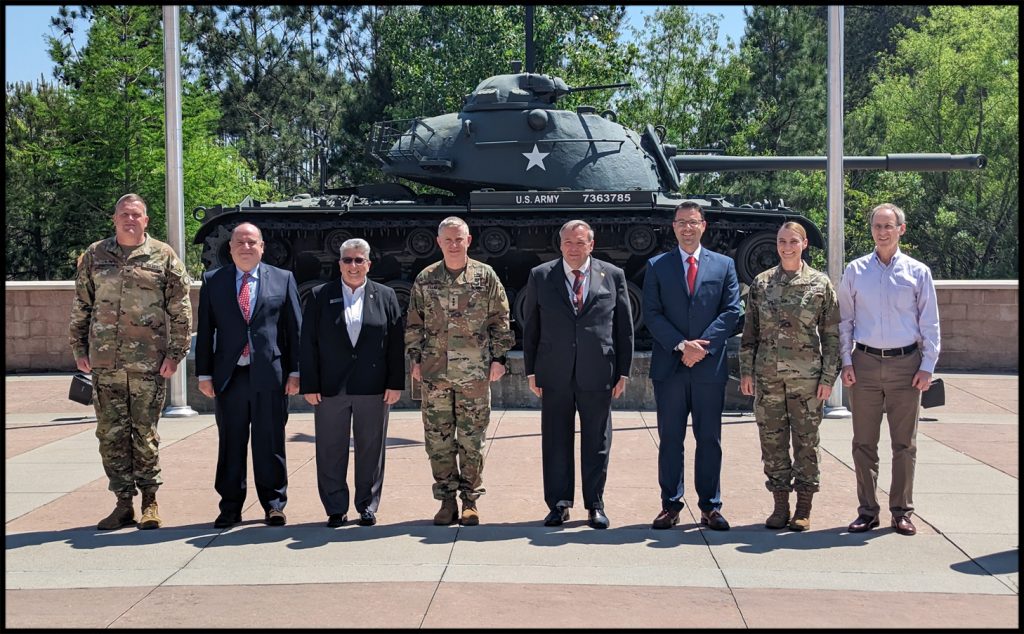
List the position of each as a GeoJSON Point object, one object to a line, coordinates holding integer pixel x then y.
{"type": "Point", "coordinates": [448, 514]}
{"type": "Point", "coordinates": [150, 511]}
{"type": "Point", "coordinates": [802, 516]}
{"type": "Point", "coordinates": [469, 515]}
{"type": "Point", "coordinates": [122, 515]}
{"type": "Point", "coordinates": [780, 515]}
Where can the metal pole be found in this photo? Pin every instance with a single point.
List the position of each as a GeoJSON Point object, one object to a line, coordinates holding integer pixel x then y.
{"type": "Point", "coordinates": [531, 55]}
{"type": "Point", "coordinates": [834, 177]}
{"type": "Point", "coordinates": [173, 196]}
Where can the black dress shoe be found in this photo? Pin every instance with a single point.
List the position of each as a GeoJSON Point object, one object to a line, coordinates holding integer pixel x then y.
{"type": "Point", "coordinates": [598, 519]}
{"type": "Point", "coordinates": [336, 520]}
{"type": "Point", "coordinates": [714, 520]}
{"type": "Point", "coordinates": [862, 523]}
{"type": "Point", "coordinates": [275, 517]}
{"type": "Point", "coordinates": [367, 518]}
{"type": "Point", "coordinates": [666, 519]}
{"type": "Point", "coordinates": [226, 520]}
{"type": "Point", "coordinates": [557, 517]}
{"type": "Point", "coordinates": [903, 525]}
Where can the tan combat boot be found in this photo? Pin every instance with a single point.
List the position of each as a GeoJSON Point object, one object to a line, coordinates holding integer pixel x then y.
{"type": "Point", "coordinates": [802, 516]}
{"type": "Point", "coordinates": [780, 515]}
{"type": "Point", "coordinates": [448, 514]}
{"type": "Point", "coordinates": [469, 515]}
{"type": "Point", "coordinates": [150, 511]}
{"type": "Point", "coordinates": [122, 515]}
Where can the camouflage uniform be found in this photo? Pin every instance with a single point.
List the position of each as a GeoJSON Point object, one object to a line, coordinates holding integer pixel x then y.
{"type": "Point", "coordinates": [455, 327]}
{"type": "Point", "coordinates": [131, 310]}
{"type": "Point", "coordinates": [790, 345]}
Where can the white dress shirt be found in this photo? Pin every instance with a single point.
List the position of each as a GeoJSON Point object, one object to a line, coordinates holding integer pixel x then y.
{"type": "Point", "coordinates": [353, 310]}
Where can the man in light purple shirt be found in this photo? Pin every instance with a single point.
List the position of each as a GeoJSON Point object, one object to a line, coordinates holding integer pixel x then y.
{"type": "Point", "coordinates": [889, 339]}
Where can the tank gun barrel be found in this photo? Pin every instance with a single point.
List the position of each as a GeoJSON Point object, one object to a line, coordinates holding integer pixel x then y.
{"type": "Point", "coordinates": [601, 87]}
{"type": "Point", "coordinates": [936, 162]}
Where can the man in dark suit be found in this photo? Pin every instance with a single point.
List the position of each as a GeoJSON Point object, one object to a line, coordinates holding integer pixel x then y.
{"type": "Point", "coordinates": [247, 359]}
{"type": "Point", "coordinates": [353, 371]}
{"type": "Point", "coordinates": [691, 306]}
{"type": "Point", "coordinates": [578, 348]}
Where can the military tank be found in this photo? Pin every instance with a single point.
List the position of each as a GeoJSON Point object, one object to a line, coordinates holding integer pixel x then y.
{"type": "Point", "coordinates": [516, 167]}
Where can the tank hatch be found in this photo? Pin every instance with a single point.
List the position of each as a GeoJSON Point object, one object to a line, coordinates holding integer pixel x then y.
{"type": "Point", "coordinates": [516, 92]}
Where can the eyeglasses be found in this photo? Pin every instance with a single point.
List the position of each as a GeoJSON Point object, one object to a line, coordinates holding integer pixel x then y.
{"type": "Point", "coordinates": [693, 224]}
{"type": "Point", "coordinates": [355, 260]}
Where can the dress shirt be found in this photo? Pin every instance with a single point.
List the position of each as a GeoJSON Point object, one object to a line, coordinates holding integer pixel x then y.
{"type": "Point", "coordinates": [889, 307]}
{"type": "Point", "coordinates": [571, 279]}
{"type": "Point", "coordinates": [686, 271]}
{"type": "Point", "coordinates": [353, 310]}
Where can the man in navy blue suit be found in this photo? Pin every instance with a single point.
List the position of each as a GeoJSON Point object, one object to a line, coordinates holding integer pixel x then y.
{"type": "Point", "coordinates": [247, 359]}
{"type": "Point", "coordinates": [691, 307]}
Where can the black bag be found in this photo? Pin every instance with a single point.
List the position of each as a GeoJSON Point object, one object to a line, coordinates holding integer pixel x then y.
{"type": "Point", "coordinates": [81, 389]}
{"type": "Point", "coordinates": [935, 395]}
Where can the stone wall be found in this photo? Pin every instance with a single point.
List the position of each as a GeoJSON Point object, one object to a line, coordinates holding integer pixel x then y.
{"type": "Point", "coordinates": [980, 327]}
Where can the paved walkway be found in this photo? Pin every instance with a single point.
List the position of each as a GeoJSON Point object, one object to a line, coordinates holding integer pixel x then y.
{"type": "Point", "coordinates": [961, 570]}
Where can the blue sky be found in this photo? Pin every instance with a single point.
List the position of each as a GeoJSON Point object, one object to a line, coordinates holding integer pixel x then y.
{"type": "Point", "coordinates": [26, 26]}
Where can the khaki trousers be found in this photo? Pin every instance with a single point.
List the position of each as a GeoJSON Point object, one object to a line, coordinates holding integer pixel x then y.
{"type": "Point", "coordinates": [884, 385]}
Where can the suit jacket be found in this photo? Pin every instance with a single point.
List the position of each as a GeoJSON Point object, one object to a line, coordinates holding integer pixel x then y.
{"type": "Point", "coordinates": [329, 361]}
{"type": "Point", "coordinates": [672, 315]}
{"type": "Point", "coordinates": [595, 346]}
{"type": "Point", "coordinates": [274, 326]}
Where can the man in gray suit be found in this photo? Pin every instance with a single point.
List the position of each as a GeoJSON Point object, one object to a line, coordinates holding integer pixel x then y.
{"type": "Point", "coordinates": [578, 347]}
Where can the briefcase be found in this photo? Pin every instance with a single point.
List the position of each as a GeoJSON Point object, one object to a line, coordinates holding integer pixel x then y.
{"type": "Point", "coordinates": [935, 395]}
{"type": "Point", "coordinates": [81, 389]}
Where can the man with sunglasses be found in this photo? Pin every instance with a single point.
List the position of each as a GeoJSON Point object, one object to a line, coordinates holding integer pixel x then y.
{"type": "Point", "coordinates": [353, 371]}
{"type": "Point", "coordinates": [247, 360]}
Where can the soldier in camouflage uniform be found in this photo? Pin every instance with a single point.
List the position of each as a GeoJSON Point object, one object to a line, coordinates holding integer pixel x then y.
{"type": "Point", "coordinates": [791, 344]}
{"type": "Point", "coordinates": [457, 334]}
{"type": "Point", "coordinates": [131, 325]}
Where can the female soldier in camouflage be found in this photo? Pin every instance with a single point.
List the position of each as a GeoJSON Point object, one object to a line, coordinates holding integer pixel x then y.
{"type": "Point", "coordinates": [791, 344]}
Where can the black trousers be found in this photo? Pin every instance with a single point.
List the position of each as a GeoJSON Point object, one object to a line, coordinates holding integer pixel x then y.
{"type": "Point", "coordinates": [336, 419]}
{"type": "Point", "coordinates": [558, 432]}
{"type": "Point", "coordinates": [237, 409]}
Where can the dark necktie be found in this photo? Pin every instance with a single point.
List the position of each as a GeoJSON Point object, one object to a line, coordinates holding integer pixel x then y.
{"type": "Point", "coordinates": [691, 273]}
{"type": "Point", "coordinates": [577, 289]}
{"type": "Point", "coordinates": [243, 303]}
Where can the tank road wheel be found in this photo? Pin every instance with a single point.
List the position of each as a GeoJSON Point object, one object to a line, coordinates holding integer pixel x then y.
{"type": "Point", "coordinates": [755, 254]}
{"type": "Point", "coordinates": [216, 251]}
{"type": "Point", "coordinates": [421, 242]}
{"type": "Point", "coordinates": [334, 240]}
{"type": "Point", "coordinates": [277, 252]}
{"type": "Point", "coordinates": [403, 290]}
{"type": "Point", "coordinates": [636, 299]}
{"type": "Point", "coordinates": [495, 241]}
{"type": "Point", "coordinates": [519, 309]}
{"type": "Point", "coordinates": [306, 291]}
{"type": "Point", "coordinates": [640, 240]}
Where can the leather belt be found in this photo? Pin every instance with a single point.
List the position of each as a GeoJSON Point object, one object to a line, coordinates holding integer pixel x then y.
{"type": "Point", "coordinates": [887, 352]}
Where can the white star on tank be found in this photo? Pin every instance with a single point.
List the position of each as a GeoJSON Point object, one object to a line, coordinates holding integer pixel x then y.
{"type": "Point", "coordinates": [536, 157]}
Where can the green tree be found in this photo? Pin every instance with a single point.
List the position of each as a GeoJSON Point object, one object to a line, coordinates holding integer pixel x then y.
{"type": "Point", "coordinates": [952, 86]}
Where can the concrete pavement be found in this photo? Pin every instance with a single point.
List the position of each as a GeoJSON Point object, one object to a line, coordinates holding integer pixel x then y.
{"type": "Point", "coordinates": [960, 570]}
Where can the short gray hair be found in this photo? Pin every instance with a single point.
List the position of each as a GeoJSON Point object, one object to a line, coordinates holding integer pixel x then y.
{"type": "Point", "coordinates": [357, 244]}
{"type": "Point", "coordinates": [132, 198]}
{"type": "Point", "coordinates": [572, 224]}
{"type": "Point", "coordinates": [452, 221]}
{"type": "Point", "coordinates": [901, 218]}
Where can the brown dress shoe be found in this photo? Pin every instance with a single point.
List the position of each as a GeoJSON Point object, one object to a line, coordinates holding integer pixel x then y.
{"type": "Point", "coordinates": [862, 523]}
{"type": "Point", "coordinates": [714, 520]}
{"type": "Point", "coordinates": [903, 525]}
{"type": "Point", "coordinates": [666, 519]}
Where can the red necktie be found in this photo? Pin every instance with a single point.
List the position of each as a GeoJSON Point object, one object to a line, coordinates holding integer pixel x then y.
{"type": "Point", "coordinates": [577, 289]}
{"type": "Point", "coordinates": [243, 303]}
{"type": "Point", "coordinates": [691, 273]}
